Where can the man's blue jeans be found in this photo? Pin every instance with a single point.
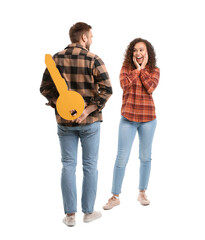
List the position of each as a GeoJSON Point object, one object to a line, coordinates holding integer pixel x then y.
{"type": "Point", "coordinates": [89, 136]}
{"type": "Point", "coordinates": [127, 132]}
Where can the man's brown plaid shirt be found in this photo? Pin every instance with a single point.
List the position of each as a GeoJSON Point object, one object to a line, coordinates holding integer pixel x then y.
{"type": "Point", "coordinates": [138, 86]}
{"type": "Point", "coordinates": [85, 73]}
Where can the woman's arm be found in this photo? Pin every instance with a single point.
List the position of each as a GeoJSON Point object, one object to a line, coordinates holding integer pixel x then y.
{"type": "Point", "coordinates": [127, 78]}
{"type": "Point", "coordinates": [149, 80]}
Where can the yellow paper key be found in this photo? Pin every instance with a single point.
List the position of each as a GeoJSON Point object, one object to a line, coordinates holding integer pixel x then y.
{"type": "Point", "coordinates": [70, 104]}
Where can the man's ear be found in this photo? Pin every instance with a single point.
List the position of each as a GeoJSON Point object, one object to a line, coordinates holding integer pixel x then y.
{"type": "Point", "coordinates": [84, 38]}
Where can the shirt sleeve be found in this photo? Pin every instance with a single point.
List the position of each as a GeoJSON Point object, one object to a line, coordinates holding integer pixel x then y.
{"type": "Point", "coordinates": [48, 89]}
{"type": "Point", "coordinates": [150, 80]}
{"type": "Point", "coordinates": [102, 80]}
{"type": "Point", "coordinates": [127, 78]}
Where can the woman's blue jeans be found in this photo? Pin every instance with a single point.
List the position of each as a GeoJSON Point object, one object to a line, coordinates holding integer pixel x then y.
{"type": "Point", "coordinates": [89, 136]}
{"type": "Point", "coordinates": [127, 132]}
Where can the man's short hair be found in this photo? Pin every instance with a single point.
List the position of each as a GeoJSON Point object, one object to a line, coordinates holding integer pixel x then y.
{"type": "Point", "coordinates": [77, 30]}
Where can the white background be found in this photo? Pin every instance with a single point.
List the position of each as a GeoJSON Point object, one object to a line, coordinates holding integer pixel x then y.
{"type": "Point", "coordinates": [30, 168]}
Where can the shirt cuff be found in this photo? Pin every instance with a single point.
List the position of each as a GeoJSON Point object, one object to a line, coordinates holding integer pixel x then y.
{"type": "Point", "coordinates": [93, 101]}
{"type": "Point", "coordinates": [51, 104]}
{"type": "Point", "coordinates": [144, 74]}
{"type": "Point", "coordinates": [135, 73]}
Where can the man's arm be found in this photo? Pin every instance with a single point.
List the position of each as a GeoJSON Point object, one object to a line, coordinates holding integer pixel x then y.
{"type": "Point", "coordinates": [89, 109]}
{"type": "Point", "coordinates": [48, 89]}
{"type": "Point", "coordinates": [104, 91]}
{"type": "Point", "coordinates": [102, 80]}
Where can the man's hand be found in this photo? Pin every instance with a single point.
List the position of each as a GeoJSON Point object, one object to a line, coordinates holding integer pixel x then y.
{"type": "Point", "coordinates": [86, 112]}
{"type": "Point", "coordinates": [82, 116]}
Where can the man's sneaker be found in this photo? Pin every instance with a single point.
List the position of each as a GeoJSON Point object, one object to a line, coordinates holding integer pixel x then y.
{"type": "Point", "coordinates": [91, 216]}
{"type": "Point", "coordinates": [142, 198]}
{"type": "Point", "coordinates": [112, 202]}
{"type": "Point", "coordinates": [69, 220]}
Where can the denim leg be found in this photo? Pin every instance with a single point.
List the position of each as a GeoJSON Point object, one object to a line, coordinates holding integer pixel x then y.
{"type": "Point", "coordinates": [69, 143]}
{"type": "Point", "coordinates": [146, 134]}
{"type": "Point", "coordinates": [126, 135]}
{"type": "Point", "coordinates": [90, 138]}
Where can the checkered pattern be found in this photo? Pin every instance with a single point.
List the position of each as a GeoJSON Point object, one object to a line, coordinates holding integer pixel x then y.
{"type": "Point", "coordinates": [137, 102]}
{"type": "Point", "coordinates": [85, 73]}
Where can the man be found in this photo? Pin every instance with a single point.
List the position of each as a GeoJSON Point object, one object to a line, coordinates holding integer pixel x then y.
{"type": "Point", "coordinates": [85, 73]}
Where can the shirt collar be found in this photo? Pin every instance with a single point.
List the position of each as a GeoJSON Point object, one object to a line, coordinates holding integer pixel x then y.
{"type": "Point", "coordinates": [78, 45]}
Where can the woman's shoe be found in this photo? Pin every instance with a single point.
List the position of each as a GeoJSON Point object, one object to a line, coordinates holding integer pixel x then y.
{"type": "Point", "coordinates": [142, 198]}
{"type": "Point", "coordinates": [112, 202]}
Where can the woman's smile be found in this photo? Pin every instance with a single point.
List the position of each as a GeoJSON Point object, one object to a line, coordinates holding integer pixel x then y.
{"type": "Point", "coordinates": [139, 59]}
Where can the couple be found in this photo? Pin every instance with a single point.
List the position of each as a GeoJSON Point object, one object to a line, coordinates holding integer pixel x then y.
{"type": "Point", "coordinates": [85, 73]}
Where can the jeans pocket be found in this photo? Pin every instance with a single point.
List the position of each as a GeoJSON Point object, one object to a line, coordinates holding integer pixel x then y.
{"type": "Point", "coordinates": [61, 130]}
{"type": "Point", "coordinates": [91, 128]}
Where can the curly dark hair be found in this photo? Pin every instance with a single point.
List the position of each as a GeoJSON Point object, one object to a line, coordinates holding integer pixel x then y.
{"type": "Point", "coordinates": [128, 59]}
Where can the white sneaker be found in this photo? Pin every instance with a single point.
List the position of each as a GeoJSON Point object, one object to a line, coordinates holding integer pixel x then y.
{"type": "Point", "coordinates": [69, 220]}
{"type": "Point", "coordinates": [91, 216]}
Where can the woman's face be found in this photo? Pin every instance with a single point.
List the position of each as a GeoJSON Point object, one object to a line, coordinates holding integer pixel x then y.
{"type": "Point", "coordinates": [139, 52]}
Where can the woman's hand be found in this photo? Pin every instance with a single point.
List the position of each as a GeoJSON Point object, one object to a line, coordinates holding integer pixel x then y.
{"type": "Point", "coordinates": [136, 63]}
{"type": "Point", "coordinates": [144, 63]}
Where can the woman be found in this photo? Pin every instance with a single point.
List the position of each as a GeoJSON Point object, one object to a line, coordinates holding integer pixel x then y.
{"type": "Point", "coordinates": [139, 77]}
